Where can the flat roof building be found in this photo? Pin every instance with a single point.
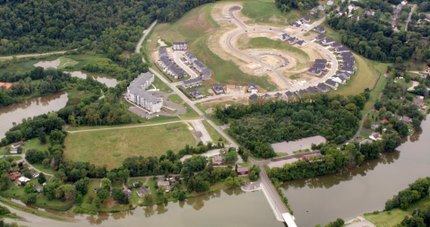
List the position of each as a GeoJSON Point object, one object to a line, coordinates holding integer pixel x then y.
{"type": "Point", "coordinates": [137, 93]}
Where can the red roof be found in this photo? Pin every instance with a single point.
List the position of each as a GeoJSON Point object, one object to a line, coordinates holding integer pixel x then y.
{"type": "Point", "coordinates": [5, 85]}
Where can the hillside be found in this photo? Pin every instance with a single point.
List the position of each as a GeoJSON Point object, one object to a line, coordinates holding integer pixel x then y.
{"type": "Point", "coordinates": [38, 26]}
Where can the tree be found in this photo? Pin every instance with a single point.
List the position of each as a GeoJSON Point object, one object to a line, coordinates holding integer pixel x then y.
{"type": "Point", "coordinates": [4, 181]}
{"type": "Point", "coordinates": [57, 137]}
{"type": "Point", "coordinates": [231, 156]}
{"type": "Point", "coordinates": [337, 223]}
{"type": "Point", "coordinates": [254, 173]}
{"type": "Point", "coordinates": [29, 188]}
{"type": "Point", "coordinates": [82, 185]}
{"type": "Point", "coordinates": [106, 184]}
{"type": "Point", "coordinates": [30, 198]}
{"type": "Point", "coordinates": [119, 196]}
{"type": "Point", "coordinates": [97, 202]}
{"type": "Point", "coordinates": [41, 178]}
{"type": "Point", "coordinates": [103, 194]}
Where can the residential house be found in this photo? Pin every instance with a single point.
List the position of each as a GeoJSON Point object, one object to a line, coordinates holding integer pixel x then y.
{"type": "Point", "coordinates": [196, 94]}
{"type": "Point", "coordinates": [218, 89]}
{"type": "Point", "coordinates": [168, 65]}
{"type": "Point", "coordinates": [217, 160]}
{"type": "Point", "coordinates": [192, 83]}
{"type": "Point", "coordinates": [165, 184]}
{"type": "Point", "coordinates": [242, 171]}
{"type": "Point", "coordinates": [320, 29]}
{"type": "Point", "coordinates": [284, 37]}
{"type": "Point", "coordinates": [127, 192]}
{"type": "Point", "coordinates": [375, 136]}
{"type": "Point", "coordinates": [323, 87]}
{"type": "Point", "coordinates": [318, 67]}
{"type": "Point", "coordinates": [405, 119]}
{"type": "Point", "coordinates": [14, 175]}
{"type": "Point", "coordinates": [23, 180]}
{"type": "Point", "coordinates": [143, 191]}
{"type": "Point", "coordinates": [252, 88]}
{"type": "Point", "coordinates": [332, 83]}
{"type": "Point", "coordinates": [180, 46]}
{"type": "Point", "coordinates": [253, 98]}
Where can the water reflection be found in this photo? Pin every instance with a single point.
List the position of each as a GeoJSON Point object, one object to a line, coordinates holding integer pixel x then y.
{"type": "Point", "coordinates": [363, 189]}
{"type": "Point", "coordinates": [15, 113]}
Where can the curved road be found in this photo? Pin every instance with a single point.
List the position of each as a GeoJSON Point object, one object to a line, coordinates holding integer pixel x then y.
{"type": "Point", "coordinates": [287, 84]}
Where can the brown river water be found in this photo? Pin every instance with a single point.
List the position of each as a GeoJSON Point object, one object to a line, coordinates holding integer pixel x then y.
{"type": "Point", "coordinates": [361, 190]}
{"type": "Point", "coordinates": [224, 208]}
{"type": "Point", "coordinates": [15, 113]}
{"type": "Point", "coordinates": [314, 201]}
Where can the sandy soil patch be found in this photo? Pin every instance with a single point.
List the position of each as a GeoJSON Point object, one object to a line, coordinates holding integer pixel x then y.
{"type": "Point", "coordinates": [48, 64]}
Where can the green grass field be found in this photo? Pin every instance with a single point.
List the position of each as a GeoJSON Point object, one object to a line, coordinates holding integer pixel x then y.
{"type": "Point", "coordinates": [214, 133]}
{"type": "Point", "coordinates": [265, 11]}
{"type": "Point", "coordinates": [369, 75]}
{"type": "Point", "coordinates": [263, 42]}
{"type": "Point", "coordinates": [111, 147]}
{"type": "Point", "coordinates": [195, 28]}
{"type": "Point", "coordinates": [394, 217]}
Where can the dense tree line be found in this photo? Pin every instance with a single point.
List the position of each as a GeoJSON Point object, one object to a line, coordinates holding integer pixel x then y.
{"type": "Point", "coordinates": [419, 218]}
{"type": "Point", "coordinates": [38, 82]}
{"type": "Point", "coordinates": [287, 5]}
{"type": "Point", "coordinates": [414, 193]}
{"type": "Point", "coordinates": [332, 161]}
{"type": "Point", "coordinates": [258, 125]}
{"type": "Point", "coordinates": [33, 26]}
{"type": "Point", "coordinates": [374, 39]}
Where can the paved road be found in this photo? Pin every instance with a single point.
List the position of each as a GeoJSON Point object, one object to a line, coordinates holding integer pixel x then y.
{"type": "Point", "coordinates": [145, 34]}
{"type": "Point", "coordinates": [127, 127]}
{"type": "Point", "coordinates": [33, 55]}
{"type": "Point", "coordinates": [276, 200]}
{"type": "Point", "coordinates": [193, 106]}
{"type": "Point", "coordinates": [414, 7]}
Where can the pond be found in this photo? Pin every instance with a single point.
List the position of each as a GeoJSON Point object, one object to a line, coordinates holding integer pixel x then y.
{"type": "Point", "coordinates": [109, 82]}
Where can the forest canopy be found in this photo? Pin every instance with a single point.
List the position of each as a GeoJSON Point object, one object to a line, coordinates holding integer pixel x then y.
{"type": "Point", "coordinates": [287, 5]}
{"type": "Point", "coordinates": [44, 25]}
{"type": "Point", "coordinates": [258, 125]}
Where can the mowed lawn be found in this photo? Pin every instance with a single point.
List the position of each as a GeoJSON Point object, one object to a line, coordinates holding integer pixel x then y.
{"type": "Point", "coordinates": [367, 75]}
{"type": "Point", "coordinates": [395, 216]}
{"type": "Point", "coordinates": [111, 147]}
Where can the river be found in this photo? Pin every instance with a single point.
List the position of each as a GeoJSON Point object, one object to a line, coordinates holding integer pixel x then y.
{"type": "Point", "coordinates": [15, 113]}
{"type": "Point", "coordinates": [224, 208]}
{"type": "Point", "coordinates": [364, 189]}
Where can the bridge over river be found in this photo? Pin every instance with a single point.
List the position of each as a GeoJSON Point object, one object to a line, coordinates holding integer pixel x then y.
{"type": "Point", "coordinates": [275, 201]}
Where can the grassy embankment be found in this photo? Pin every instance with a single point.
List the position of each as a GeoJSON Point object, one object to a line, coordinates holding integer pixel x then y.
{"type": "Point", "coordinates": [111, 147]}
{"type": "Point", "coordinates": [195, 28]}
{"type": "Point", "coordinates": [370, 74]}
{"type": "Point", "coordinates": [265, 11]}
{"type": "Point", "coordinates": [33, 210]}
{"type": "Point", "coordinates": [395, 216]}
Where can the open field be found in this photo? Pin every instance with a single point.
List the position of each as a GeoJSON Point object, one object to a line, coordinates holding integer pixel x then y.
{"type": "Point", "coordinates": [366, 76]}
{"type": "Point", "coordinates": [394, 217]}
{"type": "Point", "coordinates": [370, 74]}
{"type": "Point", "coordinates": [264, 11]}
{"type": "Point", "coordinates": [195, 28]}
{"type": "Point", "coordinates": [111, 147]}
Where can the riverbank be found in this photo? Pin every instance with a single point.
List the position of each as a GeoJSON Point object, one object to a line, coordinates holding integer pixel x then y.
{"type": "Point", "coordinates": [362, 189]}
